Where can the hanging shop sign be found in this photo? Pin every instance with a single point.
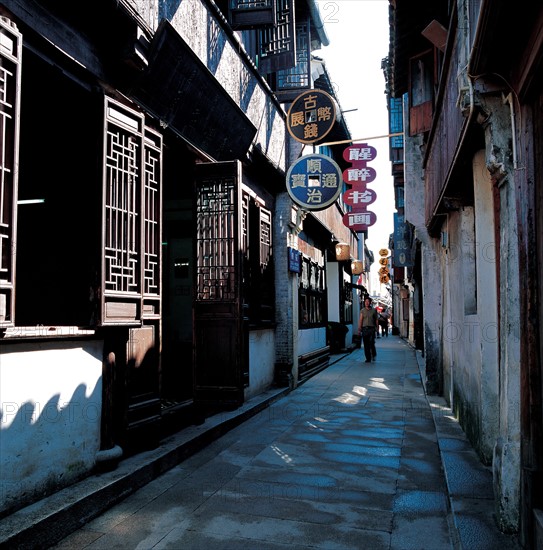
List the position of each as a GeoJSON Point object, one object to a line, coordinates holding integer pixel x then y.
{"type": "Point", "coordinates": [384, 274]}
{"type": "Point", "coordinates": [294, 260]}
{"type": "Point", "coordinates": [358, 175]}
{"type": "Point", "coordinates": [403, 237]}
{"type": "Point", "coordinates": [360, 153]}
{"type": "Point", "coordinates": [359, 196]}
{"type": "Point", "coordinates": [359, 221]}
{"type": "Point", "coordinates": [311, 116]}
{"type": "Point", "coordinates": [314, 182]}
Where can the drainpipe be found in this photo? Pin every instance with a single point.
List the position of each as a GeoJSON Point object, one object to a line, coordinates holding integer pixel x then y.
{"type": "Point", "coordinates": [509, 100]}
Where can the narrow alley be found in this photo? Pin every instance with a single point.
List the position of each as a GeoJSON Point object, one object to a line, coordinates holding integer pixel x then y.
{"type": "Point", "coordinates": [357, 457]}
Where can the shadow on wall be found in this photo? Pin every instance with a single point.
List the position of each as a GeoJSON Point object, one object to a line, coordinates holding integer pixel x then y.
{"type": "Point", "coordinates": [47, 446]}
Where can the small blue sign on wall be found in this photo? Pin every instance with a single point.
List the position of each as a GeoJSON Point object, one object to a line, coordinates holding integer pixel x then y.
{"type": "Point", "coordinates": [314, 182]}
{"type": "Point", "coordinates": [294, 260]}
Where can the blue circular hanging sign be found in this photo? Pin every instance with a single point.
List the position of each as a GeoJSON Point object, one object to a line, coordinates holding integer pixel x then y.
{"type": "Point", "coordinates": [314, 182]}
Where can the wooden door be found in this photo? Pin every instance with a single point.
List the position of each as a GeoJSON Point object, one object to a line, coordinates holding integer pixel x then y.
{"type": "Point", "coordinates": [219, 341]}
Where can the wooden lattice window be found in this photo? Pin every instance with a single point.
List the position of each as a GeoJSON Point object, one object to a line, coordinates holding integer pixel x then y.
{"type": "Point", "coordinates": [265, 238]}
{"type": "Point", "coordinates": [151, 221]}
{"type": "Point", "coordinates": [245, 203]}
{"type": "Point", "coordinates": [312, 294]}
{"type": "Point", "coordinates": [346, 313]}
{"type": "Point", "coordinates": [221, 369]}
{"type": "Point", "coordinates": [132, 217]}
{"type": "Point", "coordinates": [277, 45]}
{"type": "Point", "coordinates": [298, 78]}
{"type": "Point", "coordinates": [216, 240]}
{"type": "Point", "coordinates": [258, 274]}
{"type": "Point", "coordinates": [10, 67]}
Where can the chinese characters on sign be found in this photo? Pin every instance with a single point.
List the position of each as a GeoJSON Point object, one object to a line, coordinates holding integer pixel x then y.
{"type": "Point", "coordinates": [311, 116]}
{"type": "Point", "coordinates": [384, 276]}
{"type": "Point", "coordinates": [356, 197]}
{"type": "Point", "coordinates": [314, 182]}
{"type": "Point", "coordinates": [358, 176]}
{"type": "Point", "coordinates": [294, 260]}
{"type": "Point", "coordinates": [402, 242]}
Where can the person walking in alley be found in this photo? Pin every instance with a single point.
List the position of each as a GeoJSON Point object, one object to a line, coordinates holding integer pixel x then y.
{"type": "Point", "coordinates": [368, 325]}
{"type": "Point", "coordinates": [383, 321]}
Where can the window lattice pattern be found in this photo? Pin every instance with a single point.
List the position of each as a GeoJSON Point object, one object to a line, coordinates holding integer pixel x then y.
{"type": "Point", "coordinates": [396, 121]}
{"type": "Point", "coordinates": [304, 277]}
{"type": "Point", "coordinates": [216, 240]}
{"type": "Point", "coordinates": [278, 39]}
{"type": "Point", "coordinates": [244, 223]}
{"type": "Point", "coordinates": [7, 129]}
{"type": "Point", "coordinates": [265, 238]}
{"type": "Point", "coordinates": [312, 294]}
{"type": "Point", "coordinates": [151, 222]}
{"type": "Point", "coordinates": [122, 239]}
{"type": "Point", "coordinates": [298, 76]}
{"type": "Point", "coordinates": [250, 4]}
{"type": "Point", "coordinates": [312, 276]}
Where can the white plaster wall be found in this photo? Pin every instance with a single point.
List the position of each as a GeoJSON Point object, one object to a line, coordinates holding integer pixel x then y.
{"type": "Point", "coordinates": [461, 340]}
{"type": "Point", "coordinates": [50, 407]}
{"type": "Point", "coordinates": [507, 452]}
{"type": "Point", "coordinates": [433, 304]}
{"type": "Point", "coordinates": [506, 463]}
{"type": "Point", "coordinates": [411, 322]}
{"type": "Point", "coordinates": [447, 354]}
{"type": "Point", "coordinates": [261, 361]}
{"type": "Point", "coordinates": [147, 10]}
{"type": "Point", "coordinates": [431, 260]}
{"type": "Point", "coordinates": [311, 339]}
{"type": "Point", "coordinates": [487, 305]}
{"type": "Point", "coordinates": [414, 176]}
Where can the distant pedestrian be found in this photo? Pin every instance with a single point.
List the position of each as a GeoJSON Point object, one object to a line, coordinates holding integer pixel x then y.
{"type": "Point", "coordinates": [384, 317]}
{"type": "Point", "coordinates": [368, 326]}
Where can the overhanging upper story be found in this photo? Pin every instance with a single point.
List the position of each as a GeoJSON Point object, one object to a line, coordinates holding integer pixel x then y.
{"type": "Point", "coordinates": [211, 58]}
{"type": "Point", "coordinates": [446, 57]}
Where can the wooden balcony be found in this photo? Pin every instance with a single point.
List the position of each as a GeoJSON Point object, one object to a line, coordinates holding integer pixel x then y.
{"type": "Point", "coordinates": [445, 139]}
{"type": "Point", "coordinates": [454, 109]}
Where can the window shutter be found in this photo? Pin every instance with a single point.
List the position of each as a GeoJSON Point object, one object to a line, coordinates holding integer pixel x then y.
{"type": "Point", "coordinates": [152, 225]}
{"type": "Point", "coordinates": [421, 94]}
{"type": "Point", "coordinates": [266, 296]}
{"type": "Point", "coordinates": [10, 89]}
{"type": "Point", "coordinates": [277, 45]}
{"type": "Point", "coordinates": [265, 237]}
{"type": "Point", "coordinates": [250, 14]}
{"type": "Point", "coordinates": [131, 218]}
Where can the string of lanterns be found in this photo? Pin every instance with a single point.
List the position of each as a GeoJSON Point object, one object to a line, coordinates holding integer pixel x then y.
{"type": "Point", "coordinates": [343, 254]}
